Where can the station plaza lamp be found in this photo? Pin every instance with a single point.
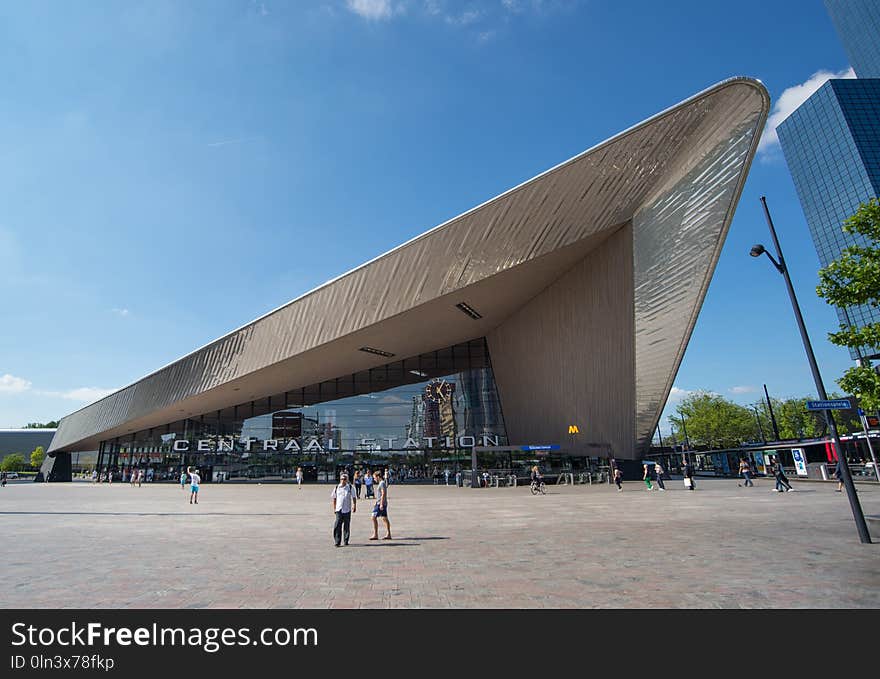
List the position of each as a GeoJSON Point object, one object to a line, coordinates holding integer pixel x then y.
{"type": "Point", "coordinates": [757, 251]}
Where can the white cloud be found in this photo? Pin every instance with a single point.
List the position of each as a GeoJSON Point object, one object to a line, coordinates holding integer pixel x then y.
{"type": "Point", "coordinates": [121, 312]}
{"type": "Point", "coordinates": [371, 9]}
{"type": "Point", "coordinates": [676, 395]}
{"type": "Point", "coordinates": [789, 100]}
{"type": "Point", "coordinates": [465, 18]}
{"type": "Point", "coordinates": [82, 394]}
{"type": "Point", "coordinates": [744, 389]}
{"type": "Point", "coordinates": [9, 384]}
{"type": "Point", "coordinates": [226, 142]}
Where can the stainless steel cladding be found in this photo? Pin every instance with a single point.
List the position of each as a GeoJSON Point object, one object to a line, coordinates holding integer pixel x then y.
{"type": "Point", "coordinates": [661, 195]}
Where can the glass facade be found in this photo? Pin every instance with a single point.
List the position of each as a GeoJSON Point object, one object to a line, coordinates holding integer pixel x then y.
{"type": "Point", "coordinates": [416, 415]}
{"type": "Point", "coordinates": [858, 25]}
{"type": "Point", "coordinates": [832, 146]}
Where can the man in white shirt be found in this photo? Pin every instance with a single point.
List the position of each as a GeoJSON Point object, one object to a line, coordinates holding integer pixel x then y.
{"type": "Point", "coordinates": [194, 481]}
{"type": "Point", "coordinates": [344, 503]}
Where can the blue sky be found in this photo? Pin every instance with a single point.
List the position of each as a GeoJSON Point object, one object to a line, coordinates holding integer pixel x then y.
{"type": "Point", "coordinates": [170, 171]}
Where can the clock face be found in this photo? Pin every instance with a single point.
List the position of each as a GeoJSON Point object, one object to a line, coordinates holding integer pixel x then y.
{"type": "Point", "coordinates": [438, 390]}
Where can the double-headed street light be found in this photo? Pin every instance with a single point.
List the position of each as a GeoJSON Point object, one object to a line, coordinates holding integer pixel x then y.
{"type": "Point", "coordinates": [757, 251]}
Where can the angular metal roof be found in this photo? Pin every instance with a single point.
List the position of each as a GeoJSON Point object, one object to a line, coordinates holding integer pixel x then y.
{"type": "Point", "coordinates": [676, 178]}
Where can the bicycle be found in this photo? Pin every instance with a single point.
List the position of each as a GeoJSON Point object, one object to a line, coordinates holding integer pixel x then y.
{"type": "Point", "coordinates": [538, 487]}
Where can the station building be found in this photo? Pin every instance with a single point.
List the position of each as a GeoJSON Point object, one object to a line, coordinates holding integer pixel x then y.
{"type": "Point", "coordinates": [566, 301]}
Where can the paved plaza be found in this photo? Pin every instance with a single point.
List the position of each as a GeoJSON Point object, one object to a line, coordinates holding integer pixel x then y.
{"type": "Point", "coordinates": [263, 546]}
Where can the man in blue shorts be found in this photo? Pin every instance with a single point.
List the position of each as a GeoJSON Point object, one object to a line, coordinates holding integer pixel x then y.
{"type": "Point", "coordinates": [194, 481]}
{"type": "Point", "coordinates": [380, 509]}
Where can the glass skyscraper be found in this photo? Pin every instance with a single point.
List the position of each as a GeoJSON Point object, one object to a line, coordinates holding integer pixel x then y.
{"type": "Point", "coordinates": [858, 24]}
{"type": "Point", "coordinates": [832, 144]}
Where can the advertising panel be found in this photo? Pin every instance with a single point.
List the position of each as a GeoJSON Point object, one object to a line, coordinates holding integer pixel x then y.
{"type": "Point", "coordinates": [800, 461]}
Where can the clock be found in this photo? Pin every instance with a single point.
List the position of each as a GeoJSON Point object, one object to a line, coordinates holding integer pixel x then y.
{"type": "Point", "coordinates": [438, 390]}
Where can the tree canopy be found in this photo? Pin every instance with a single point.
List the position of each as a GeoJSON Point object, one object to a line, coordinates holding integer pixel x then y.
{"type": "Point", "coordinates": [716, 422]}
{"type": "Point", "coordinates": [37, 457]}
{"type": "Point", "coordinates": [13, 462]}
{"type": "Point", "coordinates": [39, 425]}
{"type": "Point", "coordinates": [853, 279]}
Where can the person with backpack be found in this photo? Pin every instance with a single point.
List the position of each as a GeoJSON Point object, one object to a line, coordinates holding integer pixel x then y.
{"type": "Point", "coordinates": [658, 470]}
{"type": "Point", "coordinates": [782, 484]}
{"type": "Point", "coordinates": [368, 484]}
{"type": "Point", "coordinates": [687, 471]}
{"type": "Point", "coordinates": [648, 470]}
{"type": "Point", "coordinates": [746, 470]}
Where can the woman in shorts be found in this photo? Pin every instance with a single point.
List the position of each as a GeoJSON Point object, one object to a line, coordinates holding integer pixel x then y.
{"type": "Point", "coordinates": [380, 509]}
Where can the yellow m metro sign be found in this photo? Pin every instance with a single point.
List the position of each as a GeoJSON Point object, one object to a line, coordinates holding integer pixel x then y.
{"type": "Point", "coordinates": [573, 429]}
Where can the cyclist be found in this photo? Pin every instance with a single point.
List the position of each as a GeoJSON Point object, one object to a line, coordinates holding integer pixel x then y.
{"type": "Point", "coordinates": [537, 479]}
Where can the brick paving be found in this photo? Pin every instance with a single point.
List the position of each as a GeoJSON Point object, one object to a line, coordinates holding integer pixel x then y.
{"type": "Point", "coordinates": [264, 546]}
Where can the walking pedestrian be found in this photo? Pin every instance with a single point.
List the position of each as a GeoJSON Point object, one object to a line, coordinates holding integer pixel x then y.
{"type": "Point", "coordinates": [687, 470]}
{"type": "Point", "coordinates": [746, 470]}
{"type": "Point", "coordinates": [194, 481]}
{"type": "Point", "coordinates": [782, 484]}
{"type": "Point", "coordinates": [357, 484]}
{"type": "Point", "coordinates": [618, 478]}
{"type": "Point", "coordinates": [3, 477]}
{"type": "Point", "coordinates": [344, 503]}
{"type": "Point", "coordinates": [368, 483]}
{"type": "Point", "coordinates": [380, 509]}
{"type": "Point", "coordinates": [141, 475]}
{"type": "Point", "coordinates": [299, 477]}
{"type": "Point", "coordinates": [838, 474]}
{"type": "Point", "coordinates": [183, 478]}
{"type": "Point", "coordinates": [648, 468]}
{"type": "Point", "coordinates": [658, 470]}
{"type": "Point", "coordinates": [446, 474]}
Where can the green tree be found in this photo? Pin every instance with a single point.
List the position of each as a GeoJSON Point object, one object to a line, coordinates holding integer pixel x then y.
{"type": "Point", "coordinates": [14, 462]}
{"type": "Point", "coordinates": [39, 425]}
{"type": "Point", "coordinates": [854, 279]}
{"type": "Point", "coordinates": [795, 421]}
{"type": "Point", "coordinates": [37, 457]}
{"type": "Point", "coordinates": [714, 421]}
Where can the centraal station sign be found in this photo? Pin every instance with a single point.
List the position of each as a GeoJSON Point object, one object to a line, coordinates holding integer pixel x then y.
{"type": "Point", "coordinates": [227, 444]}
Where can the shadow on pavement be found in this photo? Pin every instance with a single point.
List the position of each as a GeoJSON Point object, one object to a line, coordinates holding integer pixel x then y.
{"type": "Point", "coordinates": [147, 514]}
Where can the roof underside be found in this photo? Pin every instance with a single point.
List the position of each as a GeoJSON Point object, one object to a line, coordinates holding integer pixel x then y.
{"type": "Point", "coordinates": [676, 177]}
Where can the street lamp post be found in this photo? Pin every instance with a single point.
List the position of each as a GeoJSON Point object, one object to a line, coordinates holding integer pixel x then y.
{"type": "Point", "coordinates": [772, 416]}
{"type": "Point", "coordinates": [780, 266]}
{"type": "Point", "coordinates": [760, 428]}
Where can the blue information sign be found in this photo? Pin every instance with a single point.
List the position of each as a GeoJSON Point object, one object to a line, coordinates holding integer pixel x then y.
{"type": "Point", "coordinates": [549, 447]}
{"type": "Point", "coordinates": [832, 404]}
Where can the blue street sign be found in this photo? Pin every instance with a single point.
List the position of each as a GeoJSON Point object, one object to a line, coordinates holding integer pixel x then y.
{"type": "Point", "coordinates": [861, 412]}
{"type": "Point", "coordinates": [548, 447]}
{"type": "Point", "coordinates": [832, 404]}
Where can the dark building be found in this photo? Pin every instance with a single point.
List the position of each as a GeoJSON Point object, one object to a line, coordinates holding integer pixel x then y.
{"type": "Point", "coordinates": [832, 144]}
{"type": "Point", "coordinates": [24, 441]}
